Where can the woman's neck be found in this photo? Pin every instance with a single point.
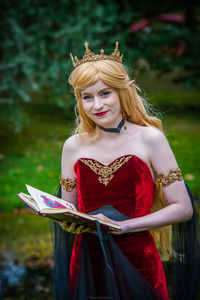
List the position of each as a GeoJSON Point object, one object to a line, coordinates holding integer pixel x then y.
{"type": "Point", "coordinates": [113, 129]}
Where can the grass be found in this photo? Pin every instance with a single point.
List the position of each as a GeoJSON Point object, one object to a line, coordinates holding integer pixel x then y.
{"type": "Point", "coordinates": [163, 92]}
{"type": "Point", "coordinates": [27, 236]}
{"type": "Point", "coordinates": [183, 133]}
{"type": "Point", "coordinates": [32, 157]}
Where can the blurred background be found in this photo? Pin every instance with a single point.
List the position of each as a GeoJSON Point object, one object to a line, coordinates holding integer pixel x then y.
{"type": "Point", "coordinates": [160, 43]}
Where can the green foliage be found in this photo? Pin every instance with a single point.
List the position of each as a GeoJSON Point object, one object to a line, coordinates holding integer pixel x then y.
{"type": "Point", "coordinates": [37, 37]}
{"type": "Point", "coordinates": [161, 44]}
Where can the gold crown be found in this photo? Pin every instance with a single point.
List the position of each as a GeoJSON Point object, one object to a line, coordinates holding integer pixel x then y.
{"type": "Point", "coordinates": [91, 56]}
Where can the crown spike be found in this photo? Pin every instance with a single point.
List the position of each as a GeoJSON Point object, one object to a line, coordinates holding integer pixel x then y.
{"type": "Point", "coordinates": [90, 56]}
{"type": "Point", "coordinates": [86, 44]}
{"type": "Point", "coordinates": [73, 62]}
{"type": "Point", "coordinates": [76, 58]}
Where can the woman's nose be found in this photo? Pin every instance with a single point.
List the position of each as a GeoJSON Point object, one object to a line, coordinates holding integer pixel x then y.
{"type": "Point", "coordinates": [97, 103]}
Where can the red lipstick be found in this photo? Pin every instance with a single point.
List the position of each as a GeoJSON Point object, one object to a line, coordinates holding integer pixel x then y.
{"type": "Point", "coordinates": [101, 113]}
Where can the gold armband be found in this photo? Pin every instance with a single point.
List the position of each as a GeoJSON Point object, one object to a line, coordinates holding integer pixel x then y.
{"type": "Point", "coordinates": [171, 177]}
{"type": "Point", "coordinates": [67, 184]}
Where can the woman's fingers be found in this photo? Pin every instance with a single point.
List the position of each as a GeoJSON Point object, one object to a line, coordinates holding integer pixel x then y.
{"type": "Point", "coordinates": [74, 228]}
{"type": "Point", "coordinates": [79, 229]}
{"type": "Point", "coordinates": [65, 225]}
{"type": "Point", "coordinates": [87, 230]}
{"type": "Point", "coordinates": [103, 217]}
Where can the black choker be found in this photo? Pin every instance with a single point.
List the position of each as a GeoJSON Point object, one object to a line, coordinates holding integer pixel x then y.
{"type": "Point", "coordinates": [117, 130]}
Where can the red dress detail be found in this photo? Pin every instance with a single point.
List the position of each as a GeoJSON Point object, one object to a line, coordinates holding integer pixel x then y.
{"type": "Point", "coordinates": [131, 191]}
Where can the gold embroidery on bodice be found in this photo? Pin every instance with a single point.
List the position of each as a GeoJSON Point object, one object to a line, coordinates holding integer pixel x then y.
{"type": "Point", "coordinates": [105, 172]}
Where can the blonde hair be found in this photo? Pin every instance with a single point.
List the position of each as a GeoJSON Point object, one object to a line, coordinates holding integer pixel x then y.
{"type": "Point", "coordinates": [136, 109]}
{"type": "Point", "coordinates": [114, 75]}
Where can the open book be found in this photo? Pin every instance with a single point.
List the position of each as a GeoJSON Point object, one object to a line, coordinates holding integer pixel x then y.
{"type": "Point", "coordinates": [57, 209]}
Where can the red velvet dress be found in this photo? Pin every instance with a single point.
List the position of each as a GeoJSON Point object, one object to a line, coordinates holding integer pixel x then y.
{"type": "Point", "coordinates": [127, 185]}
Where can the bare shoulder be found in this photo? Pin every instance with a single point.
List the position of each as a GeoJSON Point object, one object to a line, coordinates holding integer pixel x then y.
{"type": "Point", "coordinates": [159, 151]}
{"type": "Point", "coordinates": [71, 144]}
{"type": "Point", "coordinates": [70, 150]}
{"type": "Point", "coordinates": [153, 137]}
{"type": "Point", "coordinates": [74, 143]}
{"type": "Point", "coordinates": [154, 140]}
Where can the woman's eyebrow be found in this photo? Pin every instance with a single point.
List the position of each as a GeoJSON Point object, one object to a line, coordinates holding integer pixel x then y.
{"type": "Point", "coordinates": [100, 91]}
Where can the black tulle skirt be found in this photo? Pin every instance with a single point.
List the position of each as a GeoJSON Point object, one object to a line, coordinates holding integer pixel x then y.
{"type": "Point", "coordinates": [117, 278]}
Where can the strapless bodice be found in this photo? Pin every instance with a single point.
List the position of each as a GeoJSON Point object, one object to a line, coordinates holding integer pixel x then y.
{"type": "Point", "coordinates": [126, 184]}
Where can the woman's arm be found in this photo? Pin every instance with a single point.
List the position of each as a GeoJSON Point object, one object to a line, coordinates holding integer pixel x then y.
{"type": "Point", "coordinates": [67, 172]}
{"type": "Point", "coordinates": [180, 208]}
{"type": "Point", "coordinates": [68, 183]}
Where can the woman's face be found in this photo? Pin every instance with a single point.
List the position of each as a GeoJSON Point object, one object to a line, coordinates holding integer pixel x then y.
{"type": "Point", "coordinates": [101, 104]}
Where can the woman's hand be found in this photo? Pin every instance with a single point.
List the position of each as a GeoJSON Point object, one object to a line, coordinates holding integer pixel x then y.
{"type": "Point", "coordinates": [122, 224]}
{"type": "Point", "coordinates": [74, 227]}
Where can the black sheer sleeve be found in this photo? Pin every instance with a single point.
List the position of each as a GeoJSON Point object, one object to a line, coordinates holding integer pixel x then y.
{"type": "Point", "coordinates": [186, 258]}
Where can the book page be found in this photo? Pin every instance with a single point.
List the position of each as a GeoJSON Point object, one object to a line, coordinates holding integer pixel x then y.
{"type": "Point", "coordinates": [27, 199]}
{"type": "Point", "coordinates": [45, 200]}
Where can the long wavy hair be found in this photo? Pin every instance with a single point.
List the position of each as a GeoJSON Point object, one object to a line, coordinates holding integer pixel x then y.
{"type": "Point", "coordinates": [136, 109]}
{"type": "Point", "coordinates": [115, 75]}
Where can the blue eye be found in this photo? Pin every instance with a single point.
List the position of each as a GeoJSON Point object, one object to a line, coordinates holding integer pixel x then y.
{"type": "Point", "coordinates": [106, 93]}
{"type": "Point", "coordinates": [87, 97]}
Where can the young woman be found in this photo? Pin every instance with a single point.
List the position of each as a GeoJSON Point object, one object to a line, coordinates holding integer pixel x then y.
{"type": "Point", "coordinates": [113, 168]}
